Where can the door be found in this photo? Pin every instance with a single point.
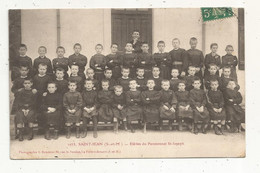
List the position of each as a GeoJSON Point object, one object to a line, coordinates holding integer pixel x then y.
{"type": "Point", "coordinates": [125, 21]}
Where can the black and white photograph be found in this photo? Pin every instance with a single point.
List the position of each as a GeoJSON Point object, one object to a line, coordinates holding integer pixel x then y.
{"type": "Point", "coordinates": [127, 83]}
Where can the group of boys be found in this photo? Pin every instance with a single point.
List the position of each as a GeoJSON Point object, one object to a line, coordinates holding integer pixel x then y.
{"type": "Point", "coordinates": [122, 88]}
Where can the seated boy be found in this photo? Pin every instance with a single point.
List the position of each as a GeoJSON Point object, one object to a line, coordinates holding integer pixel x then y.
{"type": "Point", "coordinates": [234, 111]}
{"type": "Point", "coordinates": [168, 104]}
{"type": "Point", "coordinates": [198, 102]}
{"type": "Point", "coordinates": [212, 76]}
{"type": "Point", "coordinates": [118, 107]}
{"type": "Point", "coordinates": [90, 106]}
{"type": "Point", "coordinates": [190, 78]}
{"type": "Point", "coordinates": [225, 78]}
{"type": "Point", "coordinates": [151, 101]}
{"type": "Point", "coordinates": [134, 111]}
{"type": "Point", "coordinates": [26, 100]}
{"type": "Point", "coordinates": [90, 75]}
{"type": "Point", "coordinates": [62, 84]}
{"type": "Point", "coordinates": [185, 112]}
{"type": "Point", "coordinates": [105, 113]}
{"type": "Point", "coordinates": [216, 107]}
{"type": "Point", "coordinates": [51, 108]}
{"type": "Point", "coordinates": [72, 103]}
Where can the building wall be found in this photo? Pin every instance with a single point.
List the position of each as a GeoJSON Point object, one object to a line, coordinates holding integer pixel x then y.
{"type": "Point", "coordinates": [39, 28]}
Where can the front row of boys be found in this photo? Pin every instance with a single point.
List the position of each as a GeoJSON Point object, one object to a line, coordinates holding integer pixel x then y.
{"type": "Point", "coordinates": [151, 100]}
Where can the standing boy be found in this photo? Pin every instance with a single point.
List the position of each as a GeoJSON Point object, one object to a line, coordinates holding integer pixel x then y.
{"type": "Point", "coordinates": [136, 42]}
{"type": "Point", "coordinates": [98, 63]}
{"type": "Point", "coordinates": [114, 62]}
{"type": "Point", "coordinates": [42, 59]}
{"type": "Point", "coordinates": [61, 61]}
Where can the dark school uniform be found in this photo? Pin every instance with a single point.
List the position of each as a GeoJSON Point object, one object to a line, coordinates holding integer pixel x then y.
{"type": "Point", "coordinates": [62, 86]}
{"type": "Point", "coordinates": [134, 109]}
{"type": "Point", "coordinates": [151, 106]}
{"type": "Point", "coordinates": [216, 100]}
{"type": "Point", "coordinates": [198, 98]}
{"type": "Point", "coordinates": [112, 83]}
{"type": "Point", "coordinates": [183, 98]}
{"type": "Point", "coordinates": [53, 100]}
{"type": "Point", "coordinates": [234, 111]}
{"type": "Point", "coordinates": [98, 63]}
{"type": "Point", "coordinates": [210, 77]}
{"type": "Point", "coordinates": [230, 61]}
{"type": "Point", "coordinates": [119, 100]}
{"type": "Point", "coordinates": [72, 100]}
{"type": "Point", "coordinates": [79, 81]}
{"type": "Point", "coordinates": [169, 99]}
{"type": "Point", "coordinates": [17, 85]}
{"type": "Point", "coordinates": [137, 46]}
{"type": "Point", "coordinates": [163, 61]}
{"type": "Point", "coordinates": [179, 59]}
{"type": "Point", "coordinates": [189, 81]}
{"type": "Point", "coordinates": [105, 113]}
{"type": "Point", "coordinates": [42, 60]}
{"type": "Point", "coordinates": [114, 63]}
{"type": "Point", "coordinates": [130, 60]}
{"type": "Point", "coordinates": [158, 83]}
{"type": "Point", "coordinates": [25, 100]}
{"type": "Point", "coordinates": [174, 84]}
{"type": "Point", "coordinates": [141, 82]}
{"type": "Point", "coordinates": [61, 63]}
{"type": "Point", "coordinates": [145, 61]}
{"type": "Point", "coordinates": [89, 101]}
{"type": "Point", "coordinates": [210, 59]}
{"type": "Point", "coordinates": [21, 61]}
{"type": "Point", "coordinates": [196, 59]}
{"type": "Point", "coordinates": [81, 61]}
{"type": "Point", "coordinates": [124, 82]}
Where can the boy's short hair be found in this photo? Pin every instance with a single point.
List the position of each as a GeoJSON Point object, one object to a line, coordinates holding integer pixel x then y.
{"type": "Point", "coordinates": [99, 45]}
{"type": "Point", "coordinates": [23, 45]}
{"type": "Point", "coordinates": [125, 68]}
{"type": "Point", "coordinates": [196, 78]}
{"type": "Point", "coordinates": [107, 69]}
{"type": "Point", "coordinates": [229, 46]}
{"type": "Point", "coordinates": [24, 66]}
{"type": "Point", "coordinates": [193, 39]}
{"type": "Point", "coordinates": [104, 81]}
{"type": "Point", "coordinates": [77, 44]}
{"type": "Point", "coordinates": [129, 43]}
{"type": "Point", "coordinates": [191, 66]}
{"type": "Point", "coordinates": [139, 68]}
{"type": "Point", "coordinates": [118, 87]}
{"type": "Point", "coordinates": [136, 30]}
{"type": "Point", "coordinates": [76, 65]}
{"type": "Point", "coordinates": [60, 47]}
{"type": "Point", "coordinates": [232, 80]}
{"type": "Point", "coordinates": [88, 80]}
{"type": "Point", "coordinates": [149, 79]}
{"type": "Point", "coordinates": [72, 81]}
{"type": "Point", "coordinates": [176, 39]}
{"type": "Point", "coordinates": [28, 79]}
{"type": "Point", "coordinates": [174, 69]}
{"type": "Point", "coordinates": [213, 80]}
{"type": "Point", "coordinates": [182, 81]}
{"type": "Point", "coordinates": [165, 81]}
{"type": "Point", "coordinates": [43, 65]}
{"type": "Point", "coordinates": [113, 44]}
{"type": "Point", "coordinates": [43, 48]}
{"type": "Point", "coordinates": [144, 42]}
{"type": "Point", "coordinates": [213, 44]}
{"type": "Point", "coordinates": [52, 82]}
{"type": "Point", "coordinates": [90, 69]}
{"type": "Point", "coordinates": [132, 81]}
{"type": "Point", "coordinates": [59, 69]}
{"type": "Point", "coordinates": [155, 67]}
{"type": "Point", "coordinates": [160, 42]}
{"type": "Point", "coordinates": [212, 65]}
{"type": "Point", "coordinates": [227, 67]}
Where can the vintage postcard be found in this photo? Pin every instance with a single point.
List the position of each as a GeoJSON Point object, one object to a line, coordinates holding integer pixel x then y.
{"type": "Point", "coordinates": [127, 83]}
